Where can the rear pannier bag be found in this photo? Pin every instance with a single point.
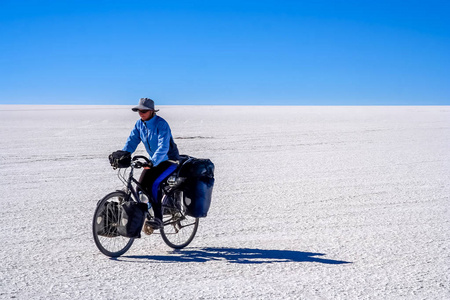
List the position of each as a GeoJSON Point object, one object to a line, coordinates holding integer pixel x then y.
{"type": "Point", "coordinates": [132, 219]}
{"type": "Point", "coordinates": [198, 186]}
{"type": "Point", "coordinates": [108, 219]}
{"type": "Point", "coordinates": [197, 196]}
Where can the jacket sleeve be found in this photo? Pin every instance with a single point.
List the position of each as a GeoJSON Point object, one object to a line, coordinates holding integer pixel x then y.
{"type": "Point", "coordinates": [133, 140]}
{"type": "Point", "coordinates": [164, 135]}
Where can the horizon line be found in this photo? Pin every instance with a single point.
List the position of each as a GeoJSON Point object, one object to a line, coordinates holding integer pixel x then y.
{"type": "Point", "coordinates": [241, 105]}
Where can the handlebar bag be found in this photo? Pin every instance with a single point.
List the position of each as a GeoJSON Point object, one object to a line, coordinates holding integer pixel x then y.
{"type": "Point", "coordinates": [120, 159]}
{"type": "Point", "coordinates": [132, 219]}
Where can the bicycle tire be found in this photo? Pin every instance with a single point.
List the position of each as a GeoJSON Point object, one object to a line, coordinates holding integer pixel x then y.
{"type": "Point", "coordinates": [179, 229]}
{"type": "Point", "coordinates": [107, 241]}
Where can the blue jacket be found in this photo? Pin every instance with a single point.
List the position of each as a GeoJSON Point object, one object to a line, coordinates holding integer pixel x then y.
{"type": "Point", "coordinates": [157, 138]}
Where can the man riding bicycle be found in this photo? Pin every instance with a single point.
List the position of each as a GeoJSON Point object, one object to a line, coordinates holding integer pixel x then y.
{"type": "Point", "coordinates": [154, 132]}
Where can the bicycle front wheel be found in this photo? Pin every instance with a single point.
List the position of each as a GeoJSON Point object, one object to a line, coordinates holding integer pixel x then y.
{"type": "Point", "coordinates": [104, 226]}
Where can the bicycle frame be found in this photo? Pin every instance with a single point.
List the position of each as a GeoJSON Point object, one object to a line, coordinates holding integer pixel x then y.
{"type": "Point", "coordinates": [131, 190]}
{"type": "Point", "coordinates": [167, 190]}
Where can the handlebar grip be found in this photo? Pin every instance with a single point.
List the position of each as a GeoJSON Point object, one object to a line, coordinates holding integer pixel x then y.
{"type": "Point", "coordinates": [148, 163]}
{"type": "Point", "coordinates": [141, 157]}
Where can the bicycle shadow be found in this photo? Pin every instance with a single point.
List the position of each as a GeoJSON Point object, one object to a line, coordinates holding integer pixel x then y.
{"type": "Point", "coordinates": [234, 255]}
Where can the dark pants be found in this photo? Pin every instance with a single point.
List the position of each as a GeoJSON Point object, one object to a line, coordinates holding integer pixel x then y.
{"type": "Point", "coordinates": [151, 179]}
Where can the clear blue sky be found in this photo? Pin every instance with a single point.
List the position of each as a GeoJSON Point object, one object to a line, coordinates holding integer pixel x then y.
{"type": "Point", "coordinates": [326, 52]}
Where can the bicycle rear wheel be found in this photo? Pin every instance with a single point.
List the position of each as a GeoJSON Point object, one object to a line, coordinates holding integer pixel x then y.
{"type": "Point", "coordinates": [178, 232]}
{"type": "Point", "coordinates": [104, 226]}
{"type": "Point", "coordinates": [179, 229]}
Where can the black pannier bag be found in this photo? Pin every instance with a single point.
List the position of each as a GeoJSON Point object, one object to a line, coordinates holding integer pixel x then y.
{"type": "Point", "coordinates": [120, 159]}
{"type": "Point", "coordinates": [197, 167]}
{"type": "Point", "coordinates": [197, 196]}
{"type": "Point", "coordinates": [198, 186]}
{"type": "Point", "coordinates": [108, 219]}
{"type": "Point", "coordinates": [132, 219]}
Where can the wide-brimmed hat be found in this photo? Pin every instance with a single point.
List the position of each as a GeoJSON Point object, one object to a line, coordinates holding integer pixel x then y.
{"type": "Point", "coordinates": [145, 104]}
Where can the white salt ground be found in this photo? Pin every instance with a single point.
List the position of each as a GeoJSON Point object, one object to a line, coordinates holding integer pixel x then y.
{"type": "Point", "coordinates": [309, 203]}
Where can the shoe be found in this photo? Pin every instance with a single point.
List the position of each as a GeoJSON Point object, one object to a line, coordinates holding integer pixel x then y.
{"type": "Point", "coordinates": [154, 223]}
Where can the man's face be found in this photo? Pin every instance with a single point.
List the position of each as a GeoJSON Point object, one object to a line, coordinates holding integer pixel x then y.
{"type": "Point", "coordinates": [145, 114]}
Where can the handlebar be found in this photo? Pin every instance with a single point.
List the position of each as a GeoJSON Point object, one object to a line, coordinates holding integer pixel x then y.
{"type": "Point", "coordinates": [139, 164]}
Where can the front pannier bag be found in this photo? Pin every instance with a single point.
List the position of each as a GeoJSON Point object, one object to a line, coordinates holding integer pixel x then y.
{"type": "Point", "coordinates": [132, 219]}
{"type": "Point", "coordinates": [198, 186]}
{"type": "Point", "coordinates": [108, 219]}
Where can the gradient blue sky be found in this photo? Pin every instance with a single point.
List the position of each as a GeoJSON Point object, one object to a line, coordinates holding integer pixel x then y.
{"type": "Point", "coordinates": [225, 52]}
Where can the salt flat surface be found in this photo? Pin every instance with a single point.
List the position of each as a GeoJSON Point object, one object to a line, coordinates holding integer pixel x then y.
{"type": "Point", "coordinates": [309, 203]}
